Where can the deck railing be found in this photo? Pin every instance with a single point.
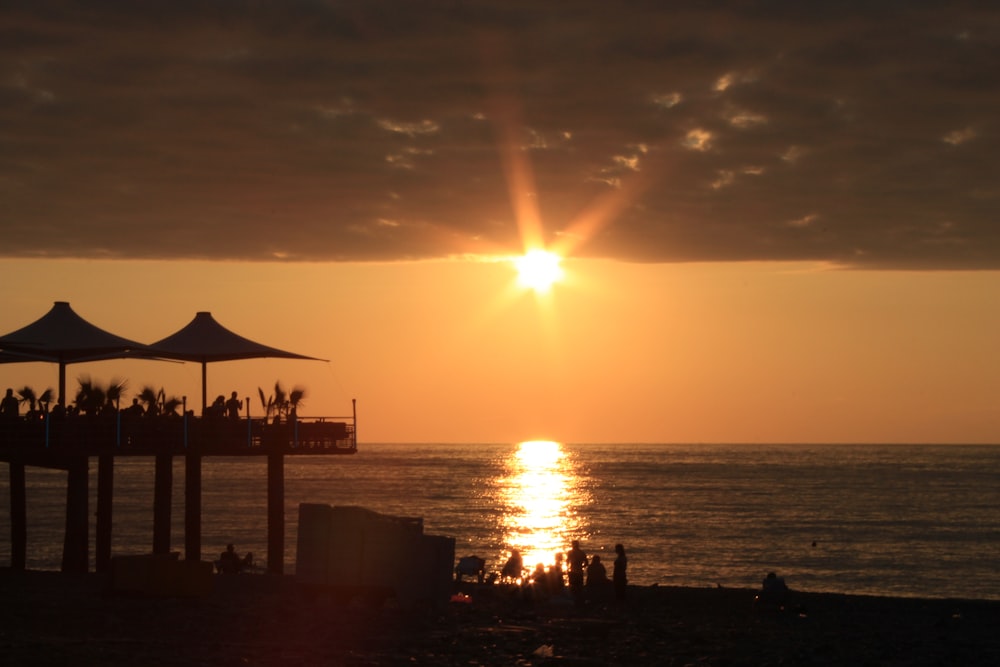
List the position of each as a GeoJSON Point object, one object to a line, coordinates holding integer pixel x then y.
{"type": "Point", "coordinates": [123, 434]}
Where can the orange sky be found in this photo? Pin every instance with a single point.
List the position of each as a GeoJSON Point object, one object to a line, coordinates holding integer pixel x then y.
{"type": "Point", "coordinates": [456, 352]}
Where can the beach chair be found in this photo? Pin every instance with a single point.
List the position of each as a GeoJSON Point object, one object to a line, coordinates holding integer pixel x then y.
{"type": "Point", "coordinates": [471, 566]}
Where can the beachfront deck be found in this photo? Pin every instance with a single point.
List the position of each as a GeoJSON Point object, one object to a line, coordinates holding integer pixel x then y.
{"type": "Point", "coordinates": [66, 439]}
{"type": "Point", "coordinates": [70, 442]}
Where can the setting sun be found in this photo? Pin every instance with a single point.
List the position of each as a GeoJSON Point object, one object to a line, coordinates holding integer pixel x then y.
{"type": "Point", "coordinates": [538, 270]}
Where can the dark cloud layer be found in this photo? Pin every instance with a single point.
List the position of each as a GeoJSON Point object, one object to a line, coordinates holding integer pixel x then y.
{"type": "Point", "coordinates": [655, 132]}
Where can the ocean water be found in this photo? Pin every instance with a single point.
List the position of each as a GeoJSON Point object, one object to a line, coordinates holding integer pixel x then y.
{"type": "Point", "coordinates": [881, 520]}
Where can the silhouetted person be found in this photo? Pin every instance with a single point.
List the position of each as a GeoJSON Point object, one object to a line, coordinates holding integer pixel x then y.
{"type": "Point", "coordinates": [217, 408]}
{"type": "Point", "coordinates": [773, 592]}
{"type": "Point", "coordinates": [773, 584]}
{"type": "Point", "coordinates": [597, 575]}
{"type": "Point", "coordinates": [619, 577]}
{"type": "Point", "coordinates": [233, 406]}
{"type": "Point", "coordinates": [134, 410]}
{"type": "Point", "coordinates": [34, 414]}
{"type": "Point", "coordinates": [577, 561]}
{"type": "Point", "coordinates": [541, 586]}
{"type": "Point", "coordinates": [231, 563]}
{"type": "Point", "coordinates": [514, 567]}
{"type": "Point", "coordinates": [9, 406]}
{"type": "Point", "coordinates": [556, 581]}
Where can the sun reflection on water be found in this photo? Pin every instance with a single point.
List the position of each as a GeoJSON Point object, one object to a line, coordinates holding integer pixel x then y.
{"type": "Point", "coordinates": [540, 493]}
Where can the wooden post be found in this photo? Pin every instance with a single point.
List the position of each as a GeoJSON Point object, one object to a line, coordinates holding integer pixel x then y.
{"type": "Point", "coordinates": [76, 548]}
{"type": "Point", "coordinates": [275, 513]}
{"type": "Point", "coordinates": [163, 483]}
{"type": "Point", "coordinates": [18, 517]}
{"type": "Point", "coordinates": [105, 498]}
{"type": "Point", "coordinates": [192, 506]}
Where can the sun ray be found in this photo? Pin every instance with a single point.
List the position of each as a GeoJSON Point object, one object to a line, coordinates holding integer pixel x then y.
{"type": "Point", "coordinates": [519, 175]}
{"type": "Point", "coordinates": [545, 246]}
{"type": "Point", "coordinates": [600, 213]}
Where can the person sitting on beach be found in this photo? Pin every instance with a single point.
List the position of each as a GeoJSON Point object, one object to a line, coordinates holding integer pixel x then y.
{"type": "Point", "coordinates": [773, 592]}
{"type": "Point", "coordinates": [774, 584]}
{"type": "Point", "coordinates": [540, 587]}
{"type": "Point", "coordinates": [556, 580]}
{"type": "Point", "coordinates": [134, 410]}
{"type": "Point", "coordinates": [597, 574]}
{"type": "Point", "coordinates": [513, 569]}
{"type": "Point", "coordinates": [230, 563]}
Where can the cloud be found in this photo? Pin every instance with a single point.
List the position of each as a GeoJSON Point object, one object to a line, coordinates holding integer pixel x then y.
{"type": "Point", "coordinates": [339, 131]}
{"type": "Point", "coordinates": [956, 137]}
{"type": "Point", "coordinates": [697, 140]}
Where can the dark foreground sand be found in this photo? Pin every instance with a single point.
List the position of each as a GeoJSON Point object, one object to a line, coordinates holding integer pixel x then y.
{"type": "Point", "coordinates": [55, 619]}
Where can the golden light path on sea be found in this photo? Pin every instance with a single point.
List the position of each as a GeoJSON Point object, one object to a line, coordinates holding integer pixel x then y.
{"type": "Point", "coordinates": [540, 492]}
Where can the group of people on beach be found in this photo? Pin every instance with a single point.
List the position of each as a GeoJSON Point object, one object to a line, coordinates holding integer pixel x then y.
{"type": "Point", "coordinates": [586, 575]}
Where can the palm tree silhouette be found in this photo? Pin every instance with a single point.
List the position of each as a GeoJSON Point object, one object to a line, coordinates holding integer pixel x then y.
{"type": "Point", "coordinates": [92, 398]}
{"type": "Point", "coordinates": [281, 404]}
{"type": "Point", "coordinates": [157, 403]}
{"type": "Point", "coordinates": [27, 395]}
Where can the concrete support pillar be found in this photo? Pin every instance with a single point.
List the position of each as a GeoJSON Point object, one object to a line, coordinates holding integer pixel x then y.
{"type": "Point", "coordinates": [275, 513]}
{"type": "Point", "coordinates": [18, 517]}
{"type": "Point", "coordinates": [76, 547]}
{"type": "Point", "coordinates": [105, 501]}
{"type": "Point", "coordinates": [163, 486]}
{"type": "Point", "coordinates": [192, 507]}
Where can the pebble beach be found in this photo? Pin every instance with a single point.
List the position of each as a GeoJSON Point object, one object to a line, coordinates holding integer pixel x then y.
{"type": "Point", "coordinates": [49, 618]}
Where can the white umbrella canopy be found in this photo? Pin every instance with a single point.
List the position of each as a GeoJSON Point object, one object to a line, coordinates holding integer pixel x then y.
{"type": "Point", "coordinates": [204, 340]}
{"type": "Point", "coordinates": [63, 337]}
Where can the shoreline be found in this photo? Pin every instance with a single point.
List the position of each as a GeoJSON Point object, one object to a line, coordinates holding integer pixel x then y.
{"type": "Point", "coordinates": [50, 618]}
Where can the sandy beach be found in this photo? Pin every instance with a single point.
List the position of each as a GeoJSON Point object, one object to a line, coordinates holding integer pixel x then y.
{"type": "Point", "coordinates": [55, 619]}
